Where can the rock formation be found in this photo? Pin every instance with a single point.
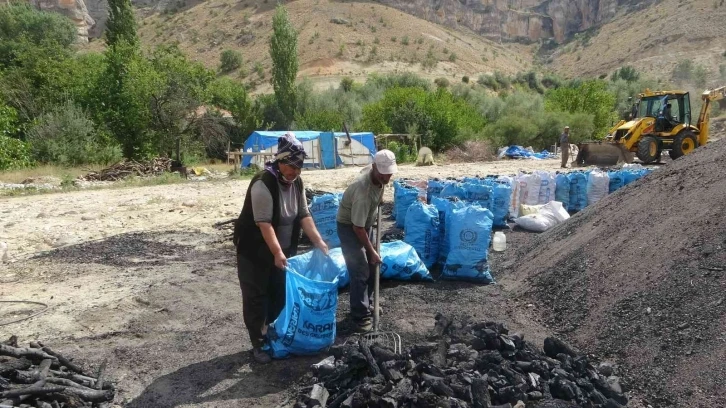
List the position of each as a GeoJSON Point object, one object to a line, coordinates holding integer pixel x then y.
{"type": "Point", "coordinates": [74, 9]}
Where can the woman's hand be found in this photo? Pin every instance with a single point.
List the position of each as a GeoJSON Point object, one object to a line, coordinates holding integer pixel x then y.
{"type": "Point", "coordinates": [280, 260]}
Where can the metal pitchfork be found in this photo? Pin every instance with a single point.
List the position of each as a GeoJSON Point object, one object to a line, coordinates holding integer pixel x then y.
{"type": "Point", "coordinates": [389, 340]}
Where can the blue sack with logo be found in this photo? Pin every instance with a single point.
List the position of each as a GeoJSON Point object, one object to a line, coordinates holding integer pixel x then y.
{"type": "Point", "coordinates": [562, 190]}
{"type": "Point", "coordinates": [578, 191]}
{"type": "Point", "coordinates": [324, 210]}
{"type": "Point", "coordinates": [479, 193]}
{"type": "Point", "coordinates": [401, 262]}
{"type": "Point", "coordinates": [421, 231]}
{"type": "Point", "coordinates": [306, 324]}
{"type": "Point", "coordinates": [469, 231]}
{"type": "Point", "coordinates": [404, 197]}
{"type": "Point", "coordinates": [444, 206]}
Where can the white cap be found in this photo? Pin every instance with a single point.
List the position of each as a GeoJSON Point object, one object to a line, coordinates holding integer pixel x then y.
{"type": "Point", "coordinates": [385, 162]}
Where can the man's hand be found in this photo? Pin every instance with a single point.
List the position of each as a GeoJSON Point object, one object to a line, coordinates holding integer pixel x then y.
{"type": "Point", "coordinates": [321, 245]}
{"type": "Point", "coordinates": [374, 258]}
{"type": "Point", "coordinates": [280, 260]}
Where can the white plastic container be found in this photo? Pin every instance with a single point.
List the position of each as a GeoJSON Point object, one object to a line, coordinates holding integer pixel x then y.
{"type": "Point", "coordinates": [499, 243]}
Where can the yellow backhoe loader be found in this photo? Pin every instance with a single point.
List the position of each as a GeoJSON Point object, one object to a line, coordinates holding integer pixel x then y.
{"type": "Point", "coordinates": [663, 122]}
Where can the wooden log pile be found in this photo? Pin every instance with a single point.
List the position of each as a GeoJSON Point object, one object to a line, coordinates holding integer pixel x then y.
{"type": "Point", "coordinates": [462, 365]}
{"type": "Point", "coordinates": [38, 376]}
{"type": "Point", "coordinates": [128, 168]}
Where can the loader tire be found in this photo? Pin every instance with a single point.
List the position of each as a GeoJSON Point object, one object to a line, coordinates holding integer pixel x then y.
{"type": "Point", "coordinates": [648, 150]}
{"type": "Point", "coordinates": [684, 143]}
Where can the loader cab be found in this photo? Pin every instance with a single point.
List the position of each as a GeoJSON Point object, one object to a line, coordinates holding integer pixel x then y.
{"type": "Point", "coordinates": [654, 105]}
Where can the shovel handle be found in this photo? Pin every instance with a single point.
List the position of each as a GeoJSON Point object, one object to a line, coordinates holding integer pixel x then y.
{"type": "Point", "coordinates": [376, 284]}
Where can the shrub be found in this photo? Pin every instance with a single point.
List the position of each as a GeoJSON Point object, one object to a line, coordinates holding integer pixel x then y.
{"type": "Point", "coordinates": [14, 153]}
{"type": "Point", "coordinates": [683, 71]}
{"type": "Point", "coordinates": [488, 81]}
{"type": "Point", "coordinates": [452, 57]}
{"type": "Point", "coordinates": [442, 82]}
{"type": "Point", "coordinates": [465, 79]}
{"type": "Point", "coordinates": [230, 60]}
{"type": "Point", "coordinates": [66, 136]}
{"type": "Point", "coordinates": [346, 84]}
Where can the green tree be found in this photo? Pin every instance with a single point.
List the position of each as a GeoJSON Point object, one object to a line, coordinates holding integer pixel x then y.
{"type": "Point", "coordinates": [283, 50]}
{"type": "Point", "coordinates": [23, 27]}
{"type": "Point", "coordinates": [121, 25]}
{"type": "Point", "coordinates": [591, 97]}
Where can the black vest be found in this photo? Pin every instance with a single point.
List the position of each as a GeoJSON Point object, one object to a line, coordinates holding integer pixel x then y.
{"type": "Point", "coordinates": [247, 235]}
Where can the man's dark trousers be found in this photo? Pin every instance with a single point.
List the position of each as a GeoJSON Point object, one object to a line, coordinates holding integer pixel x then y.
{"type": "Point", "coordinates": [361, 273]}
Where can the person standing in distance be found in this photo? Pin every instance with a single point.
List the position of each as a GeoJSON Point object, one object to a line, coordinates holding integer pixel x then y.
{"type": "Point", "coordinates": [266, 234]}
{"type": "Point", "coordinates": [356, 214]}
{"type": "Point", "coordinates": [565, 146]}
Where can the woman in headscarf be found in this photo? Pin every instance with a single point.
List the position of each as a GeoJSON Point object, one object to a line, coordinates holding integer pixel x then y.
{"type": "Point", "coordinates": [266, 234]}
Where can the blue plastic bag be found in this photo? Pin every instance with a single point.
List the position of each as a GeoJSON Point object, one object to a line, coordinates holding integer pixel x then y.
{"type": "Point", "coordinates": [578, 191]}
{"type": "Point", "coordinates": [480, 193]}
{"type": "Point", "coordinates": [502, 193]}
{"type": "Point", "coordinates": [306, 324]}
{"type": "Point", "coordinates": [422, 231]}
{"type": "Point", "coordinates": [469, 232]}
{"type": "Point", "coordinates": [444, 206]}
{"type": "Point", "coordinates": [404, 196]}
{"type": "Point", "coordinates": [434, 189]}
{"type": "Point", "coordinates": [324, 210]}
{"type": "Point", "coordinates": [617, 181]}
{"type": "Point", "coordinates": [562, 190]}
{"type": "Point", "coordinates": [401, 262]}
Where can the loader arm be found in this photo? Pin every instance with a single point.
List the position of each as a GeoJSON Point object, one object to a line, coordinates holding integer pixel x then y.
{"type": "Point", "coordinates": [703, 117]}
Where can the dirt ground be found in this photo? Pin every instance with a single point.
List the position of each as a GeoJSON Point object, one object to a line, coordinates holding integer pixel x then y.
{"type": "Point", "coordinates": [139, 276]}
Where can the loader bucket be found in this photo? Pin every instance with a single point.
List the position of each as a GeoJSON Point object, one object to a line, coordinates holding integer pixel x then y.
{"type": "Point", "coordinates": [602, 154]}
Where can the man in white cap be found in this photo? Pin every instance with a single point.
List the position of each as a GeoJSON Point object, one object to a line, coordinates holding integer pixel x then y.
{"type": "Point", "coordinates": [356, 215]}
{"type": "Point", "coordinates": [565, 146]}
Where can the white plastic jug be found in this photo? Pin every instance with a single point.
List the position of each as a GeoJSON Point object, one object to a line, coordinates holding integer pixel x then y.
{"type": "Point", "coordinates": [499, 243]}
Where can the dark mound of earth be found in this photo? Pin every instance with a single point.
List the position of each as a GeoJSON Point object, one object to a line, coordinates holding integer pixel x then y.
{"type": "Point", "coordinates": [640, 278]}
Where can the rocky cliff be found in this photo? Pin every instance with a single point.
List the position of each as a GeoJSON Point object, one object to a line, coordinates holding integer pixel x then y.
{"type": "Point", "coordinates": [74, 9]}
{"type": "Point", "coordinates": [518, 20]}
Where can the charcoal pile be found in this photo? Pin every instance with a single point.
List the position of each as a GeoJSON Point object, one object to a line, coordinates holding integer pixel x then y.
{"type": "Point", "coordinates": [127, 168]}
{"type": "Point", "coordinates": [37, 376]}
{"type": "Point", "coordinates": [478, 365]}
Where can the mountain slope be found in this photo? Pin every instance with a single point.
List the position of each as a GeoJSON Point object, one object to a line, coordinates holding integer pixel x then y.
{"type": "Point", "coordinates": [335, 39]}
{"type": "Point", "coordinates": [653, 40]}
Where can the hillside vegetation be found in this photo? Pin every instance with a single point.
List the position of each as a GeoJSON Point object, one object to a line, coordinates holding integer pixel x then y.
{"type": "Point", "coordinates": [336, 39]}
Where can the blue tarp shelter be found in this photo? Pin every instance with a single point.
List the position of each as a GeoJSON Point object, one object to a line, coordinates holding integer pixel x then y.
{"type": "Point", "coordinates": [326, 150]}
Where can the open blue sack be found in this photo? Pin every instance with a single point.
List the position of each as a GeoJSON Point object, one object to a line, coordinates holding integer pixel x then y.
{"type": "Point", "coordinates": [479, 192]}
{"type": "Point", "coordinates": [453, 189]}
{"type": "Point", "coordinates": [444, 206]}
{"type": "Point", "coordinates": [405, 196]}
{"type": "Point", "coordinates": [306, 324]}
{"type": "Point", "coordinates": [502, 193]}
{"type": "Point", "coordinates": [324, 210]}
{"type": "Point", "coordinates": [421, 231]}
{"type": "Point", "coordinates": [434, 189]}
{"type": "Point", "coordinates": [578, 191]}
{"type": "Point", "coordinates": [401, 262]}
{"type": "Point", "coordinates": [617, 181]}
{"type": "Point", "coordinates": [562, 190]}
{"type": "Point", "coordinates": [469, 232]}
